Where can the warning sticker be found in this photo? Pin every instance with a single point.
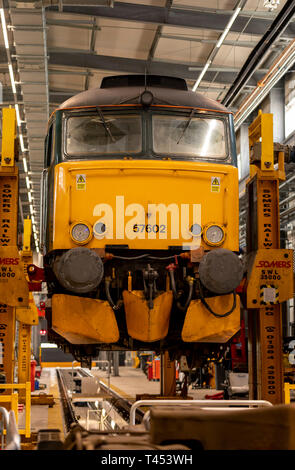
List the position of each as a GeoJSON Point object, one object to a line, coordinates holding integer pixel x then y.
{"type": "Point", "coordinates": [215, 184]}
{"type": "Point", "coordinates": [80, 181]}
{"type": "Point", "coordinates": [269, 294]}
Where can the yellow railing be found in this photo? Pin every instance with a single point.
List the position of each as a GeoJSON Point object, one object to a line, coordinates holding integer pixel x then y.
{"type": "Point", "coordinates": [288, 387]}
{"type": "Point", "coordinates": [13, 400]}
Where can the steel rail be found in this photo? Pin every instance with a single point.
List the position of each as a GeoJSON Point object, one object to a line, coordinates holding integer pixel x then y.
{"type": "Point", "coordinates": [69, 415]}
{"type": "Point", "coordinates": [121, 404]}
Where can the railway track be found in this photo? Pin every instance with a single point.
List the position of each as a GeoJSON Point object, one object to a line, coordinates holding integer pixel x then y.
{"type": "Point", "coordinates": [121, 405]}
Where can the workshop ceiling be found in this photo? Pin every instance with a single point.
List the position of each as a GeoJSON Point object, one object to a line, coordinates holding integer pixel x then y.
{"type": "Point", "coordinates": [63, 48]}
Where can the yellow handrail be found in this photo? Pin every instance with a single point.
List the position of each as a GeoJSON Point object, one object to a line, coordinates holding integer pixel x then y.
{"type": "Point", "coordinates": [288, 387]}
{"type": "Point", "coordinates": [13, 399]}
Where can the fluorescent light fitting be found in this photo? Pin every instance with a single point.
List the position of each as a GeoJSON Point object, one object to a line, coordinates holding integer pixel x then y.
{"type": "Point", "coordinates": [22, 145]}
{"type": "Point", "coordinates": [12, 78]}
{"type": "Point", "coordinates": [220, 41]}
{"type": "Point", "coordinates": [32, 211]}
{"type": "Point", "coordinates": [28, 182]}
{"type": "Point", "coordinates": [17, 114]}
{"type": "Point", "coordinates": [4, 28]}
{"type": "Point", "coordinates": [37, 249]}
{"type": "Point", "coordinates": [207, 65]}
{"type": "Point", "coordinates": [33, 220]}
{"type": "Point", "coordinates": [25, 165]}
{"type": "Point", "coordinates": [30, 196]}
{"type": "Point", "coordinates": [271, 4]}
{"type": "Point", "coordinates": [228, 26]}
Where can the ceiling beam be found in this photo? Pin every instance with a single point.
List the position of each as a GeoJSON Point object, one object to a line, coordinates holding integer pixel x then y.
{"type": "Point", "coordinates": [226, 42]}
{"type": "Point", "coordinates": [125, 65]}
{"type": "Point", "coordinates": [184, 18]}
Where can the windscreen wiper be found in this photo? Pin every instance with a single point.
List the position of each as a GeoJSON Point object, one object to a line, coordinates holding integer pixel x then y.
{"type": "Point", "coordinates": [187, 124]}
{"type": "Point", "coordinates": [105, 124]}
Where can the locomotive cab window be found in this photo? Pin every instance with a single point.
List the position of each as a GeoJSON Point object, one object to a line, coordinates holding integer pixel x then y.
{"type": "Point", "coordinates": [50, 146]}
{"type": "Point", "coordinates": [102, 134]}
{"type": "Point", "coordinates": [189, 137]}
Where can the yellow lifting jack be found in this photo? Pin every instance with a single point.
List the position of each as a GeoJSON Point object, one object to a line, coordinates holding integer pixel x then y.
{"type": "Point", "coordinates": [269, 268]}
{"type": "Point", "coordinates": [26, 316]}
{"type": "Point", "coordinates": [14, 291]}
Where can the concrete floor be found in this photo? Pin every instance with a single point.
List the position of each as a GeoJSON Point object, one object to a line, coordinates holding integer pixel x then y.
{"type": "Point", "coordinates": [42, 416]}
{"type": "Point", "coordinates": [132, 382]}
{"type": "Point", "coordinates": [129, 383]}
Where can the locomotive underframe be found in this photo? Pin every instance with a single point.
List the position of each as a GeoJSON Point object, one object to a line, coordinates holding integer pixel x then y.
{"type": "Point", "coordinates": [155, 269]}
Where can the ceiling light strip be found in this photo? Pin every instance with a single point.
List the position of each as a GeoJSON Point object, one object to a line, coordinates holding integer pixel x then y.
{"type": "Point", "coordinates": [12, 79]}
{"type": "Point", "coordinates": [17, 111]}
{"type": "Point", "coordinates": [216, 48]}
{"type": "Point", "coordinates": [228, 26]}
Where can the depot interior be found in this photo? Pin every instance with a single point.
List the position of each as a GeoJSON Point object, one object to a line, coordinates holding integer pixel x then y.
{"type": "Point", "coordinates": [239, 53]}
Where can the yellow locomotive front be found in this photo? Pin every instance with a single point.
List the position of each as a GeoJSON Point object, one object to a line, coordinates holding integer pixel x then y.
{"type": "Point", "coordinates": [140, 219]}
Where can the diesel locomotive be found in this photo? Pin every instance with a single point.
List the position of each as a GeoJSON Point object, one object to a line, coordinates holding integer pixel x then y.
{"type": "Point", "coordinates": [139, 223]}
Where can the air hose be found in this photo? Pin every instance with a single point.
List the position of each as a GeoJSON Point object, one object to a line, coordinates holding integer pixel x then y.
{"type": "Point", "coordinates": [109, 297]}
{"type": "Point", "coordinates": [209, 308]}
{"type": "Point", "coordinates": [176, 295]}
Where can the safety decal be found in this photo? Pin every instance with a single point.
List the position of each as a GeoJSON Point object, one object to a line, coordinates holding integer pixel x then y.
{"type": "Point", "coordinates": [80, 181]}
{"type": "Point", "coordinates": [215, 184]}
{"type": "Point", "coordinates": [269, 294]}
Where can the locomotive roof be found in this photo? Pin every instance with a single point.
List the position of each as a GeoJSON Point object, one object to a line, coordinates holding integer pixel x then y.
{"type": "Point", "coordinates": [163, 95]}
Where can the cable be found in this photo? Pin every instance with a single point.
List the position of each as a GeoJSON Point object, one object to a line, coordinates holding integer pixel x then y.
{"type": "Point", "coordinates": [217, 315]}
{"type": "Point", "coordinates": [176, 295]}
{"type": "Point", "coordinates": [173, 286]}
{"type": "Point", "coordinates": [188, 300]}
{"type": "Point", "coordinates": [130, 258]}
{"type": "Point", "coordinates": [163, 257]}
{"type": "Point", "coordinates": [110, 300]}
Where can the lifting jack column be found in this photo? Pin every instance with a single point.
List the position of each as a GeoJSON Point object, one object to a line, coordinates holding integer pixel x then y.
{"type": "Point", "coordinates": [14, 290]}
{"type": "Point", "coordinates": [269, 268]}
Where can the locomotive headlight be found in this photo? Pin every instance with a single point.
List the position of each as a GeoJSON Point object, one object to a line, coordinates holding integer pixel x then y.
{"type": "Point", "coordinates": [81, 233]}
{"type": "Point", "coordinates": [214, 235]}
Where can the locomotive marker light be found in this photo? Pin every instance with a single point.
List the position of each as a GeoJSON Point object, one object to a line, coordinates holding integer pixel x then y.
{"type": "Point", "coordinates": [99, 230]}
{"type": "Point", "coordinates": [196, 230]}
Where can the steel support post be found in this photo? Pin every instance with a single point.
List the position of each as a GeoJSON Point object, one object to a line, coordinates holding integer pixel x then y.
{"type": "Point", "coordinates": [168, 376]}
